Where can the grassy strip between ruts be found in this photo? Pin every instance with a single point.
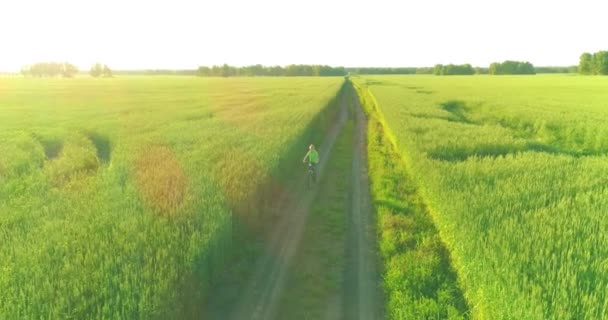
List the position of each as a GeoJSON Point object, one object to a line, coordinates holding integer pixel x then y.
{"type": "Point", "coordinates": [315, 284]}
{"type": "Point", "coordinates": [418, 280]}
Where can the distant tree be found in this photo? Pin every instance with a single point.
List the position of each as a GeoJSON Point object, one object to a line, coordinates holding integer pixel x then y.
{"type": "Point", "coordinates": [259, 70]}
{"type": "Point", "coordinates": [107, 72]}
{"type": "Point", "coordinates": [204, 71]}
{"type": "Point", "coordinates": [585, 65]}
{"type": "Point", "coordinates": [453, 69]}
{"type": "Point", "coordinates": [150, 72]}
{"type": "Point", "coordinates": [96, 70]}
{"type": "Point", "coordinates": [229, 71]}
{"type": "Point", "coordinates": [525, 68]}
{"type": "Point", "coordinates": [291, 70]}
{"type": "Point", "coordinates": [276, 71]}
{"type": "Point", "coordinates": [68, 70]}
{"type": "Point", "coordinates": [511, 67]}
{"type": "Point", "coordinates": [493, 69]}
{"type": "Point", "coordinates": [295, 70]}
{"type": "Point", "coordinates": [600, 63]}
{"type": "Point", "coordinates": [552, 69]}
{"type": "Point", "coordinates": [252, 71]}
{"type": "Point", "coordinates": [380, 70]}
{"type": "Point", "coordinates": [479, 70]}
{"type": "Point", "coordinates": [316, 70]}
{"type": "Point", "coordinates": [50, 69]}
{"type": "Point", "coordinates": [438, 69]}
{"type": "Point", "coordinates": [225, 70]}
{"type": "Point", "coordinates": [216, 71]}
{"type": "Point", "coordinates": [101, 70]}
{"type": "Point", "coordinates": [327, 71]}
{"type": "Point", "coordinates": [424, 70]}
{"type": "Point", "coordinates": [571, 69]}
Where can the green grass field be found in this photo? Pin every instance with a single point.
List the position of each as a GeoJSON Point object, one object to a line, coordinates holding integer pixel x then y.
{"type": "Point", "coordinates": [513, 170]}
{"type": "Point", "coordinates": [127, 197]}
{"type": "Point", "coordinates": [418, 279]}
{"type": "Point", "coordinates": [119, 196]}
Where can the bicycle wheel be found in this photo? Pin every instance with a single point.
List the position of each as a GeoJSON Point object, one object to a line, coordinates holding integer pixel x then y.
{"type": "Point", "coordinates": [310, 179]}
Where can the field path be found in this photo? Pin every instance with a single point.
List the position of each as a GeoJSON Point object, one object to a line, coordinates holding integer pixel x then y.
{"type": "Point", "coordinates": [260, 298]}
{"type": "Point", "coordinates": [360, 296]}
{"type": "Point", "coordinates": [362, 292]}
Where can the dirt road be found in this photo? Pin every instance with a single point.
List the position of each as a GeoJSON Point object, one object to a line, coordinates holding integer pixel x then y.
{"type": "Point", "coordinates": [261, 296]}
{"type": "Point", "coordinates": [259, 300]}
{"type": "Point", "coordinates": [362, 289]}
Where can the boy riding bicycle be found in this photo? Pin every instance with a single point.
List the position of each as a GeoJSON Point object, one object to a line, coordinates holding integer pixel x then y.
{"type": "Point", "coordinates": [312, 156]}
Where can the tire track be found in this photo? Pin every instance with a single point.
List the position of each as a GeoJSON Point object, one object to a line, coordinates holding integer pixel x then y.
{"type": "Point", "coordinates": [260, 298]}
{"type": "Point", "coordinates": [362, 291]}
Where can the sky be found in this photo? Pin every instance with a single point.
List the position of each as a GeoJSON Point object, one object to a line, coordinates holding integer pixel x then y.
{"type": "Point", "coordinates": [184, 34]}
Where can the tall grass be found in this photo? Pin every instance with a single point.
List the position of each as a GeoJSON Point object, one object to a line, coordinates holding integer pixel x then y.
{"type": "Point", "coordinates": [513, 170]}
{"type": "Point", "coordinates": [119, 197]}
{"type": "Point", "coordinates": [418, 279]}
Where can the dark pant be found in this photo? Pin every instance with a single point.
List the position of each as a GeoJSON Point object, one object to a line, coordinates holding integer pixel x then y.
{"type": "Point", "coordinates": [313, 167]}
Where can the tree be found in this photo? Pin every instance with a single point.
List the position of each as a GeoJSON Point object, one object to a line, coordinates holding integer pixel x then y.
{"type": "Point", "coordinates": [226, 70]}
{"type": "Point", "coordinates": [50, 69]}
{"type": "Point", "coordinates": [493, 69]}
{"type": "Point", "coordinates": [96, 70]}
{"type": "Point", "coordinates": [101, 70]}
{"type": "Point", "coordinates": [512, 67]}
{"type": "Point", "coordinates": [453, 69]}
{"type": "Point", "coordinates": [107, 73]}
{"type": "Point", "coordinates": [600, 63]}
{"type": "Point", "coordinates": [382, 70]}
{"type": "Point", "coordinates": [69, 70]}
{"type": "Point", "coordinates": [479, 70]}
{"type": "Point", "coordinates": [277, 71]}
{"type": "Point", "coordinates": [585, 65]}
{"type": "Point", "coordinates": [204, 71]}
{"type": "Point", "coordinates": [424, 70]}
{"type": "Point", "coordinates": [553, 69]}
{"type": "Point", "coordinates": [438, 69]}
{"type": "Point", "coordinates": [524, 68]}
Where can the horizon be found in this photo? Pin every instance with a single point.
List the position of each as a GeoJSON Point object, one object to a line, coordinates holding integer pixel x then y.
{"type": "Point", "coordinates": [184, 35]}
{"type": "Point", "coordinates": [85, 69]}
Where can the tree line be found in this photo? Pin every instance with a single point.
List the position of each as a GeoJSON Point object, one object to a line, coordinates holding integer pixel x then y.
{"type": "Point", "coordinates": [589, 64]}
{"type": "Point", "coordinates": [294, 70]}
{"type": "Point", "coordinates": [157, 72]}
{"type": "Point", "coordinates": [594, 64]}
{"type": "Point", "coordinates": [453, 69]}
{"type": "Point", "coordinates": [550, 69]}
{"type": "Point", "coordinates": [63, 69]}
{"type": "Point", "coordinates": [50, 69]}
{"type": "Point", "coordinates": [368, 70]}
{"type": "Point", "coordinates": [512, 67]}
{"type": "Point", "coordinates": [496, 68]}
{"type": "Point", "coordinates": [100, 70]}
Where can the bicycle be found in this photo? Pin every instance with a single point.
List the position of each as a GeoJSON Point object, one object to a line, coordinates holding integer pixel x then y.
{"type": "Point", "coordinates": [312, 175]}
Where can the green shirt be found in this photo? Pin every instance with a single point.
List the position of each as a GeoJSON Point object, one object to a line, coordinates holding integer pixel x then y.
{"type": "Point", "coordinates": [313, 156]}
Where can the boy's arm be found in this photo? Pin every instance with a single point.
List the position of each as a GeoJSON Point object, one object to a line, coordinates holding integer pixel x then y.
{"type": "Point", "coordinates": [306, 156]}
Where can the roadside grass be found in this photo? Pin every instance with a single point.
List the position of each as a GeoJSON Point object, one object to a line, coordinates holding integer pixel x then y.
{"type": "Point", "coordinates": [513, 170]}
{"type": "Point", "coordinates": [418, 279]}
